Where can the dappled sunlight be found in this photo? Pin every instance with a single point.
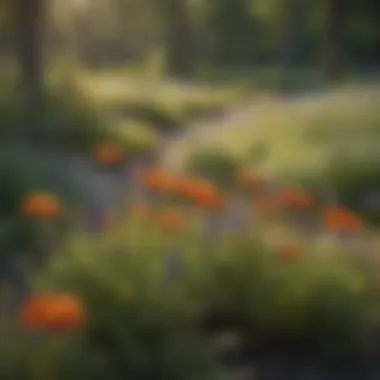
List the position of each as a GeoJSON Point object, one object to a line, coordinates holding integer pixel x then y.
{"type": "Point", "coordinates": [189, 190]}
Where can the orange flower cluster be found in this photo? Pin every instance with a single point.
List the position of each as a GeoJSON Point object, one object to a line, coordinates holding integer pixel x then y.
{"type": "Point", "coordinates": [341, 220]}
{"type": "Point", "coordinates": [207, 197]}
{"type": "Point", "coordinates": [198, 191]}
{"type": "Point", "coordinates": [268, 204]}
{"type": "Point", "coordinates": [160, 181]}
{"type": "Point", "coordinates": [296, 199]}
{"type": "Point", "coordinates": [41, 206]}
{"type": "Point", "coordinates": [172, 220]}
{"type": "Point", "coordinates": [141, 210]}
{"type": "Point", "coordinates": [249, 181]}
{"type": "Point", "coordinates": [52, 313]}
{"type": "Point", "coordinates": [288, 253]}
{"type": "Point", "coordinates": [108, 154]}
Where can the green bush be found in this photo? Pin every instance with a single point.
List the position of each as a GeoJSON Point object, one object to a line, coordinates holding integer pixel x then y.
{"type": "Point", "coordinates": [25, 170]}
{"type": "Point", "coordinates": [215, 164]}
{"type": "Point", "coordinates": [142, 323]}
{"type": "Point", "coordinates": [354, 178]}
{"type": "Point", "coordinates": [138, 327]}
{"type": "Point", "coordinates": [347, 136]}
{"type": "Point", "coordinates": [319, 301]}
{"type": "Point", "coordinates": [62, 116]}
{"type": "Point", "coordinates": [166, 115]}
{"type": "Point", "coordinates": [322, 302]}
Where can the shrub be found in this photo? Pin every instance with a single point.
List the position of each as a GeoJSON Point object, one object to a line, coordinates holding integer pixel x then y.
{"type": "Point", "coordinates": [355, 180]}
{"type": "Point", "coordinates": [138, 326]}
{"type": "Point", "coordinates": [25, 170]}
{"type": "Point", "coordinates": [61, 116]}
{"type": "Point", "coordinates": [214, 164]}
{"type": "Point", "coordinates": [321, 302]}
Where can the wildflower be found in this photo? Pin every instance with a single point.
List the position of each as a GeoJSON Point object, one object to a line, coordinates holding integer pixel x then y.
{"type": "Point", "coordinates": [296, 200]}
{"type": "Point", "coordinates": [108, 154]}
{"type": "Point", "coordinates": [213, 226]}
{"type": "Point", "coordinates": [371, 203]}
{"type": "Point", "coordinates": [340, 220]}
{"type": "Point", "coordinates": [141, 210]}
{"type": "Point", "coordinates": [11, 274]}
{"type": "Point", "coordinates": [174, 265]}
{"type": "Point", "coordinates": [187, 186]}
{"type": "Point", "coordinates": [41, 205]}
{"type": "Point", "coordinates": [172, 220]}
{"type": "Point", "coordinates": [52, 313]}
{"type": "Point", "coordinates": [249, 181]}
{"type": "Point", "coordinates": [237, 216]}
{"type": "Point", "coordinates": [268, 204]}
{"type": "Point", "coordinates": [288, 253]}
{"type": "Point", "coordinates": [97, 219]}
{"type": "Point", "coordinates": [159, 181]}
{"type": "Point", "coordinates": [208, 197]}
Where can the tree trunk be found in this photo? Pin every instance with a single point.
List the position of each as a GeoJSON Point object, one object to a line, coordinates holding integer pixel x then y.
{"type": "Point", "coordinates": [289, 39]}
{"type": "Point", "coordinates": [29, 43]}
{"type": "Point", "coordinates": [179, 42]}
{"type": "Point", "coordinates": [334, 60]}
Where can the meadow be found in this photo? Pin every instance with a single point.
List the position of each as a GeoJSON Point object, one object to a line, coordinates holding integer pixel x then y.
{"type": "Point", "coordinates": [129, 268]}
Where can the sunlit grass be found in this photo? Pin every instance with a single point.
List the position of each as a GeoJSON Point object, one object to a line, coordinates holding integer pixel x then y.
{"type": "Point", "coordinates": [301, 135]}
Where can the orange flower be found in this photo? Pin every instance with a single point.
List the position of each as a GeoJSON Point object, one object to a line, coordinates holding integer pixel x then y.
{"type": "Point", "coordinates": [172, 220]}
{"type": "Point", "coordinates": [108, 154]}
{"type": "Point", "coordinates": [268, 204]}
{"type": "Point", "coordinates": [41, 206]}
{"type": "Point", "coordinates": [188, 186]}
{"type": "Point", "coordinates": [249, 180]}
{"type": "Point", "coordinates": [159, 180]}
{"type": "Point", "coordinates": [296, 199]}
{"type": "Point", "coordinates": [141, 210]}
{"type": "Point", "coordinates": [202, 193]}
{"type": "Point", "coordinates": [52, 313]}
{"type": "Point", "coordinates": [209, 198]}
{"type": "Point", "coordinates": [338, 219]}
{"type": "Point", "coordinates": [288, 253]}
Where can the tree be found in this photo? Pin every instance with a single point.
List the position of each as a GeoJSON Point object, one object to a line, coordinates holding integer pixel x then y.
{"type": "Point", "coordinates": [231, 32]}
{"type": "Point", "coordinates": [334, 51]}
{"type": "Point", "coordinates": [178, 38]}
{"type": "Point", "coordinates": [29, 24]}
{"type": "Point", "coordinates": [292, 15]}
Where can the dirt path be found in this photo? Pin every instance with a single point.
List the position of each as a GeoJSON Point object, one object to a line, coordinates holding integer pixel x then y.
{"type": "Point", "coordinates": [245, 117]}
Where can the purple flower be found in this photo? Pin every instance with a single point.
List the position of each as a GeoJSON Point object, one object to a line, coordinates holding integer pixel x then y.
{"type": "Point", "coordinates": [212, 228]}
{"type": "Point", "coordinates": [174, 266]}
{"type": "Point", "coordinates": [13, 275]}
{"type": "Point", "coordinates": [350, 242]}
{"type": "Point", "coordinates": [236, 216]}
{"type": "Point", "coordinates": [96, 220]}
{"type": "Point", "coordinates": [372, 202]}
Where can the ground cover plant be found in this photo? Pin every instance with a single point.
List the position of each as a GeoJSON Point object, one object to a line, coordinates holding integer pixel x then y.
{"type": "Point", "coordinates": [184, 259]}
{"type": "Point", "coordinates": [324, 143]}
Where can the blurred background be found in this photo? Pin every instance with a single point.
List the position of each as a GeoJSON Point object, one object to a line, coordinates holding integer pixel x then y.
{"type": "Point", "coordinates": [224, 39]}
{"type": "Point", "coordinates": [260, 98]}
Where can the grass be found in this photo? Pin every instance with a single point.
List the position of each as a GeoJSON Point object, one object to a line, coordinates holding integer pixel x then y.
{"type": "Point", "coordinates": [150, 293]}
{"type": "Point", "coordinates": [326, 142]}
{"type": "Point", "coordinates": [142, 314]}
{"type": "Point", "coordinates": [154, 100]}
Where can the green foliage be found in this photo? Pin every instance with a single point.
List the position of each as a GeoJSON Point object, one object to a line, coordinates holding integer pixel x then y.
{"type": "Point", "coordinates": [215, 164]}
{"type": "Point", "coordinates": [166, 116]}
{"type": "Point", "coordinates": [322, 300]}
{"type": "Point", "coordinates": [61, 117]}
{"type": "Point", "coordinates": [144, 324]}
{"type": "Point", "coordinates": [138, 326]}
{"type": "Point", "coordinates": [348, 134]}
{"type": "Point", "coordinates": [24, 170]}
